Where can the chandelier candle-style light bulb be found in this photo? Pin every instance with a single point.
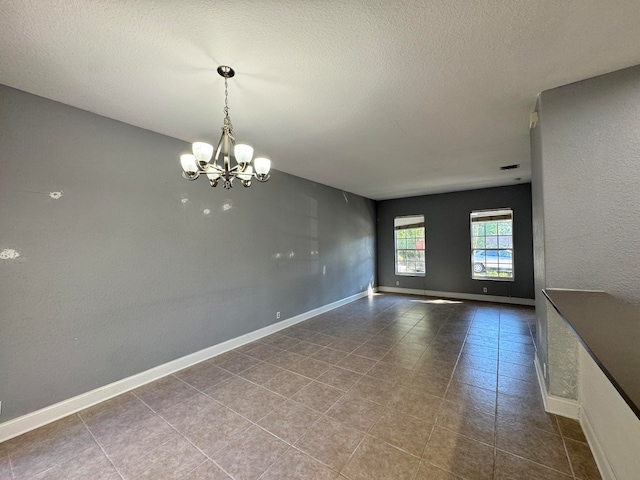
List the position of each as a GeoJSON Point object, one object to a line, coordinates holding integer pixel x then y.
{"type": "Point", "coordinates": [221, 167]}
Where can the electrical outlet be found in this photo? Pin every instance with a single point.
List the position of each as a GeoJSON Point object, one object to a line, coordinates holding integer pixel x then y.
{"type": "Point", "coordinates": [397, 283]}
{"type": "Point", "coordinates": [277, 315]}
{"type": "Point", "coordinates": [484, 289]}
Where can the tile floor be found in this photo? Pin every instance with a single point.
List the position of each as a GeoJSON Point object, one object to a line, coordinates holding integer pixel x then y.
{"type": "Point", "coordinates": [389, 387]}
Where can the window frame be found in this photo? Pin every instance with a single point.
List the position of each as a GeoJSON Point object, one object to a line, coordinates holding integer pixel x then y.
{"type": "Point", "coordinates": [484, 216]}
{"type": "Point", "coordinates": [399, 224]}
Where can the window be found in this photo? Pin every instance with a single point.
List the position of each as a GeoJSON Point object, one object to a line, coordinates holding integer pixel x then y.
{"type": "Point", "coordinates": [492, 245]}
{"type": "Point", "coordinates": [409, 240]}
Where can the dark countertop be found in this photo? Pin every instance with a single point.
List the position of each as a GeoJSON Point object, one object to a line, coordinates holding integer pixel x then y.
{"type": "Point", "coordinates": [609, 329]}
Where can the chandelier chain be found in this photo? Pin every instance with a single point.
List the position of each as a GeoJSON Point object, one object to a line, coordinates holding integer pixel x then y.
{"type": "Point", "coordinates": [226, 99]}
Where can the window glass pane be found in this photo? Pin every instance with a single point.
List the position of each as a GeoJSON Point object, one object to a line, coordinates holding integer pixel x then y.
{"type": "Point", "coordinates": [492, 241]}
{"type": "Point", "coordinates": [491, 228]}
{"type": "Point", "coordinates": [504, 228]}
{"type": "Point", "coordinates": [505, 242]}
{"type": "Point", "coordinates": [401, 244]}
{"type": "Point", "coordinates": [478, 242]}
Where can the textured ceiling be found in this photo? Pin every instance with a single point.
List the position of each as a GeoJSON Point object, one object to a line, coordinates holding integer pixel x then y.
{"type": "Point", "coordinates": [382, 98]}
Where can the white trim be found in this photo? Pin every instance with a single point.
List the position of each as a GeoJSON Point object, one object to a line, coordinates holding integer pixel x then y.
{"type": "Point", "coordinates": [606, 472]}
{"type": "Point", "coordinates": [564, 407]}
{"type": "Point", "coordinates": [574, 290]}
{"type": "Point", "coordinates": [611, 427]}
{"type": "Point", "coordinates": [39, 418]}
{"type": "Point", "coordinates": [461, 296]}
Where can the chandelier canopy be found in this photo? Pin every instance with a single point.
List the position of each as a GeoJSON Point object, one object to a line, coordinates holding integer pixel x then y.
{"type": "Point", "coordinates": [220, 169]}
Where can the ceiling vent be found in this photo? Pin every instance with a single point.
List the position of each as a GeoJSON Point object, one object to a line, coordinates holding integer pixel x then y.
{"type": "Point", "coordinates": [510, 167]}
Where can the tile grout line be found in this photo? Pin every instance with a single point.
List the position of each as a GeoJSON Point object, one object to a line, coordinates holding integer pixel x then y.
{"type": "Point", "coordinates": [351, 456]}
{"type": "Point", "coordinates": [566, 451]}
{"type": "Point", "coordinates": [198, 466]}
{"type": "Point", "coordinates": [77, 414]}
{"type": "Point", "coordinates": [100, 446]}
{"type": "Point", "coordinates": [569, 476]}
{"type": "Point", "coordinates": [187, 439]}
{"type": "Point", "coordinates": [424, 449]}
{"type": "Point", "coordinates": [495, 421]}
{"type": "Point", "coordinates": [10, 467]}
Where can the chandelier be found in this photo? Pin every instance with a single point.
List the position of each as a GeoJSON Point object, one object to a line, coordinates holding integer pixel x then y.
{"type": "Point", "coordinates": [220, 169]}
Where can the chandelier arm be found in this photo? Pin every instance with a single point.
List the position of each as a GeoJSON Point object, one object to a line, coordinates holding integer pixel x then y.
{"type": "Point", "coordinates": [190, 175]}
{"type": "Point", "coordinates": [216, 154]}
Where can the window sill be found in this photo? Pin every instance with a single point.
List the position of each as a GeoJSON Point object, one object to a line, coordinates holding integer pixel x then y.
{"type": "Point", "coordinates": [494, 279]}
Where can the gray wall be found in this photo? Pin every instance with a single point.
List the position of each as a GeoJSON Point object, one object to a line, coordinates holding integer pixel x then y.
{"type": "Point", "coordinates": [586, 187]}
{"type": "Point", "coordinates": [448, 245]}
{"type": "Point", "coordinates": [125, 271]}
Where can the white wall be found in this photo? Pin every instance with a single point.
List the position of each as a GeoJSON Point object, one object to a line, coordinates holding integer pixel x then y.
{"type": "Point", "coordinates": [613, 430]}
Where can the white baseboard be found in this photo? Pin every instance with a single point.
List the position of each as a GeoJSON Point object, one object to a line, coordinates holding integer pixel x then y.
{"type": "Point", "coordinates": [564, 407]}
{"type": "Point", "coordinates": [606, 472]}
{"type": "Point", "coordinates": [461, 296]}
{"type": "Point", "coordinates": [39, 418]}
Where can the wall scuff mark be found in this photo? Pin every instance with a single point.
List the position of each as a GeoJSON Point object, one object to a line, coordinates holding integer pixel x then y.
{"type": "Point", "coordinates": [55, 195]}
{"type": "Point", "coordinates": [9, 254]}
